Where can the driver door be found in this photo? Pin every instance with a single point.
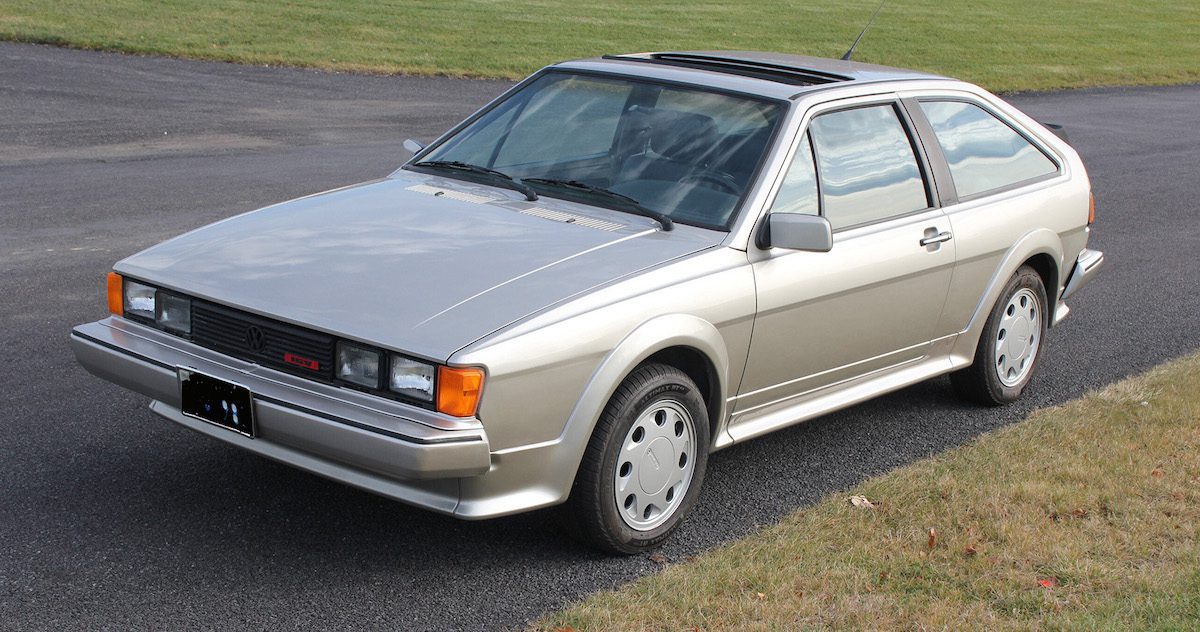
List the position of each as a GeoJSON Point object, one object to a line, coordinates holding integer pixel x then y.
{"type": "Point", "coordinates": [874, 300]}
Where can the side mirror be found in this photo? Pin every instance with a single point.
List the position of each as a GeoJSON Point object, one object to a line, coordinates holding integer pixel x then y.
{"type": "Point", "coordinates": [413, 146]}
{"type": "Point", "coordinates": [796, 231]}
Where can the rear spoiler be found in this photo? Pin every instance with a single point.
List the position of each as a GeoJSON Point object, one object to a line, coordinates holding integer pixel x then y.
{"type": "Point", "coordinates": [1058, 131]}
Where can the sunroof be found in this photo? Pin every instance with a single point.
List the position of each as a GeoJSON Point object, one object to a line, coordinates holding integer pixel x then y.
{"type": "Point", "coordinates": [743, 67]}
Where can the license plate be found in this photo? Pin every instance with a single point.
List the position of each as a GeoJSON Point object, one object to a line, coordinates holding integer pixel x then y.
{"type": "Point", "coordinates": [216, 401]}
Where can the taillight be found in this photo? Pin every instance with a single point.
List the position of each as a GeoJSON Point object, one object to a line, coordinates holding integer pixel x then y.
{"type": "Point", "coordinates": [1091, 209]}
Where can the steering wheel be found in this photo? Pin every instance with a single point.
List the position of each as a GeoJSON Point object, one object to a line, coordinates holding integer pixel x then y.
{"type": "Point", "coordinates": [715, 179]}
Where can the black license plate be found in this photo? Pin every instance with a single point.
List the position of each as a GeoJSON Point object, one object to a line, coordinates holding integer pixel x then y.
{"type": "Point", "coordinates": [216, 401]}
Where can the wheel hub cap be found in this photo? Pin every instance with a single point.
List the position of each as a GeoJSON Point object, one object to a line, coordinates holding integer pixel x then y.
{"type": "Point", "coordinates": [655, 465]}
{"type": "Point", "coordinates": [1017, 338]}
{"type": "Point", "coordinates": [653, 473]}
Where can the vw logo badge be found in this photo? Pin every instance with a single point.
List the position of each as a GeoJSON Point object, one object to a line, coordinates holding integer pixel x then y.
{"type": "Point", "coordinates": [255, 338]}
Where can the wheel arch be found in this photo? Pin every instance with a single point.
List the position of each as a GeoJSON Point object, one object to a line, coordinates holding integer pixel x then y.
{"type": "Point", "coordinates": [1041, 249]}
{"type": "Point", "coordinates": [1047, 268]}
{"type": "Point", "coordinates": [679, 338]}
{"type": "Point", "coordinates": [700, 368]}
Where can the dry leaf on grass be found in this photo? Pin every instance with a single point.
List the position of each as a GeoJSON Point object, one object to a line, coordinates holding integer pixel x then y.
{"type": "Point", "coordinates": [932, 537]}
{"type": "Point", "coordinates": [1049, 582]}
{"type": "Point", "coordinates": [659, 558]}
{"type": "Point", "coordinates": [862, 502]}
{"type": "Point", "coordinates": [1157, 472]}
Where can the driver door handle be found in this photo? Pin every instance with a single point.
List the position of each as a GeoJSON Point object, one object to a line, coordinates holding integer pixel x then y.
{"type": "Point", "coordinates": [938, 238]}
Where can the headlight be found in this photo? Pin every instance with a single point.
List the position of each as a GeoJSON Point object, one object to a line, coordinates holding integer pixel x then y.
{"type": "Point", "coordinates": [139, 300]}
{"type": "Point", "coordinates": [358, 365]}
{"type": "Point", "coordinates": [174, 313]}
{"type": "Point", "coordinates": [411, 378]}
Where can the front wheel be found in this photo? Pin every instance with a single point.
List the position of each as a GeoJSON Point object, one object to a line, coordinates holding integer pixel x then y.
{"type": "Point", "coordinates": [1010, 345]}
{"type": "Point", "coordinates": [644, 465]}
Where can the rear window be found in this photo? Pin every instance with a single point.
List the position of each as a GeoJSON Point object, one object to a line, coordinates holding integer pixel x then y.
{"type": "Point", "coordinates": [984, 153]}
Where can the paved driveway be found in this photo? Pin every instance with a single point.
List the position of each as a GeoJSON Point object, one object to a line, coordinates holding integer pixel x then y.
{"type": "Point", "coordinates": [110, 517]}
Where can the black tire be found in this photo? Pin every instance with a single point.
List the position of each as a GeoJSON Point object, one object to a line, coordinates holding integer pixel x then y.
{"type": "Point", "coordinates": [981, 382]}
{"type": "Point", "coordinates": [592, 510]}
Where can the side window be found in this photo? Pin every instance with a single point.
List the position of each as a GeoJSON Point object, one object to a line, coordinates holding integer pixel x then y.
{"type": "Point", "coordinates": [867, 166]}
{"type": "Point", "coordinates": [984, 153]}
{"type": "Point", "coordinates": [798, 193]}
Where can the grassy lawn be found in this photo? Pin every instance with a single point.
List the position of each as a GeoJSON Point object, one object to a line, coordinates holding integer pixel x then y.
{"type": "Point", "coordinates": [1085, 516]}
{"type": "Point", "coordinates": [1002, 44]}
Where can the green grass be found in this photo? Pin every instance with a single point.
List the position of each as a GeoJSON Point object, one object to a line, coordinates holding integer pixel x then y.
{"type": "Point", "coordinates": [1084, 516]}
{"type": "Point", "coordinates": [1002, 44]}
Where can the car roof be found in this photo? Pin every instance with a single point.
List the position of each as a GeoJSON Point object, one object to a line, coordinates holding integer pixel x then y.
{"type": "Point", "coordinates": [775, 75]}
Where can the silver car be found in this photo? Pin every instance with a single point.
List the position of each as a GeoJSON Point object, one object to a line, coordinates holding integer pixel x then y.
{"type": "Point", "coordinates": [614, 269]}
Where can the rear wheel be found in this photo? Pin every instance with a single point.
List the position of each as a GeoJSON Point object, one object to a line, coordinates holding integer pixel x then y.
{"type": "Point", "coordinates": [1010, 345]}
{"type": "Point", "coordinates": [644, 465]}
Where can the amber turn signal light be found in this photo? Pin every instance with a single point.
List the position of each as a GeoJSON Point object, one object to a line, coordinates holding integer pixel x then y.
{"type": "Point", "coordinates": [458, 390]}
{"type": "Point", "coordinates": [116, 303]}
{"type": "Point", "coordinates": [1091, 209]}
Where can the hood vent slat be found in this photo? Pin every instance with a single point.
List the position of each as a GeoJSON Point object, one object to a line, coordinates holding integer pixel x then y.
{"type": "Point", "coordinates": [568, 218]}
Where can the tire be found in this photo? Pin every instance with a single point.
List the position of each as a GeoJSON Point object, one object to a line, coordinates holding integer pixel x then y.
{"type": "Point", "coordinates": [642, 471]}
{"type": "Point", "coordinates": [999, 373]}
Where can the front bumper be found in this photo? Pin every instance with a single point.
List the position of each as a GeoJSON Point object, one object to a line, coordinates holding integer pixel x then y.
{"type": "Point", "coordinates": [399, 451]}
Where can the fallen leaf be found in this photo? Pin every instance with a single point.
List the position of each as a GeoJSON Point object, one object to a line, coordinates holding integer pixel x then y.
{"type": "Point", "coordinates": [970, 550]}
{"type": "Point", "coordinates": [761, 596]}
{"type": "Point", "coordinates": [1177, 495]}
{"type": "Point", "coordinates": [932, 537]}
{"type": "Point", "coordinates": [862, 502]}
{"type": "Point", "coordinates": [1157, 472]}
{"type": "Point", "coordinates": [565, 629]}
{"type": "Point", "coordinates": [1080, 513]}
{"type": "Point", "coordinates": [1049, 582]}
{"type": "Point", "coordinates": [659, 558]}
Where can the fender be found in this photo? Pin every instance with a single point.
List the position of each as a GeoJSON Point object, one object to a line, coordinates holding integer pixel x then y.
{"type": "Point", "coordinates": [544, 473]}
{"type": "Point", "coordinates": [652, 336]}
{"type": "Point", "coordinates": [1036, 242]}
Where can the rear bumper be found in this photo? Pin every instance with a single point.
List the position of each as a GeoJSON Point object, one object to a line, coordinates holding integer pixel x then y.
{"type": "Point", "coordinates": [1087, 265]}
{"type": "Point", "coordinates": [403, 452]}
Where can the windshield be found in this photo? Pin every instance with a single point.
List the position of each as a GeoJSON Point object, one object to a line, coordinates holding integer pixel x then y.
{"type": "Point", "coordinates": [683, 152]}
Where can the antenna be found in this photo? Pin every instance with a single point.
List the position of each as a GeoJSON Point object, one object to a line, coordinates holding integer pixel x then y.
{"type": "Point", "coordinates": [850, 52]}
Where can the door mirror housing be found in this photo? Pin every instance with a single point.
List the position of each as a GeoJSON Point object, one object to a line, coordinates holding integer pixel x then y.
{"type": "Point", "coordinates": [413, 146]}
{"type": "Point", "coordinates": [796, 231]}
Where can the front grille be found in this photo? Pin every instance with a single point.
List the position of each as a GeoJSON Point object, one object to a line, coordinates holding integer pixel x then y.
{"type": "Point", "coordinates": [262, 340]}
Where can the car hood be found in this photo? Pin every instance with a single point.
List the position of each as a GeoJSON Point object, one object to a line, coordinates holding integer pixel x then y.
{"type": "Point", "coordinates": [415, 263]}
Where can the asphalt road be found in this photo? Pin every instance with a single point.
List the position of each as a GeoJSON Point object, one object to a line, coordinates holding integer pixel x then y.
{"type": "Point", "coordinates": [113, 518]}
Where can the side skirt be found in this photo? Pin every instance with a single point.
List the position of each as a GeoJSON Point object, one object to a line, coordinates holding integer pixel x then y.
{"type": "Point", "coordinates": [835, 397]}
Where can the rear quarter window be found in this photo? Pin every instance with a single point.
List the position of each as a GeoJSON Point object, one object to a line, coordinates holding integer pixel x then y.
{"type": "Point", "coordinates": [983, 152]}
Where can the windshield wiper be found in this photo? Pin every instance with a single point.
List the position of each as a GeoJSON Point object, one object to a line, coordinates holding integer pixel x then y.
{"type": "Point", "coordinates": [624, 201]}
{"type": "Point", "coordinates": [501, 178]}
